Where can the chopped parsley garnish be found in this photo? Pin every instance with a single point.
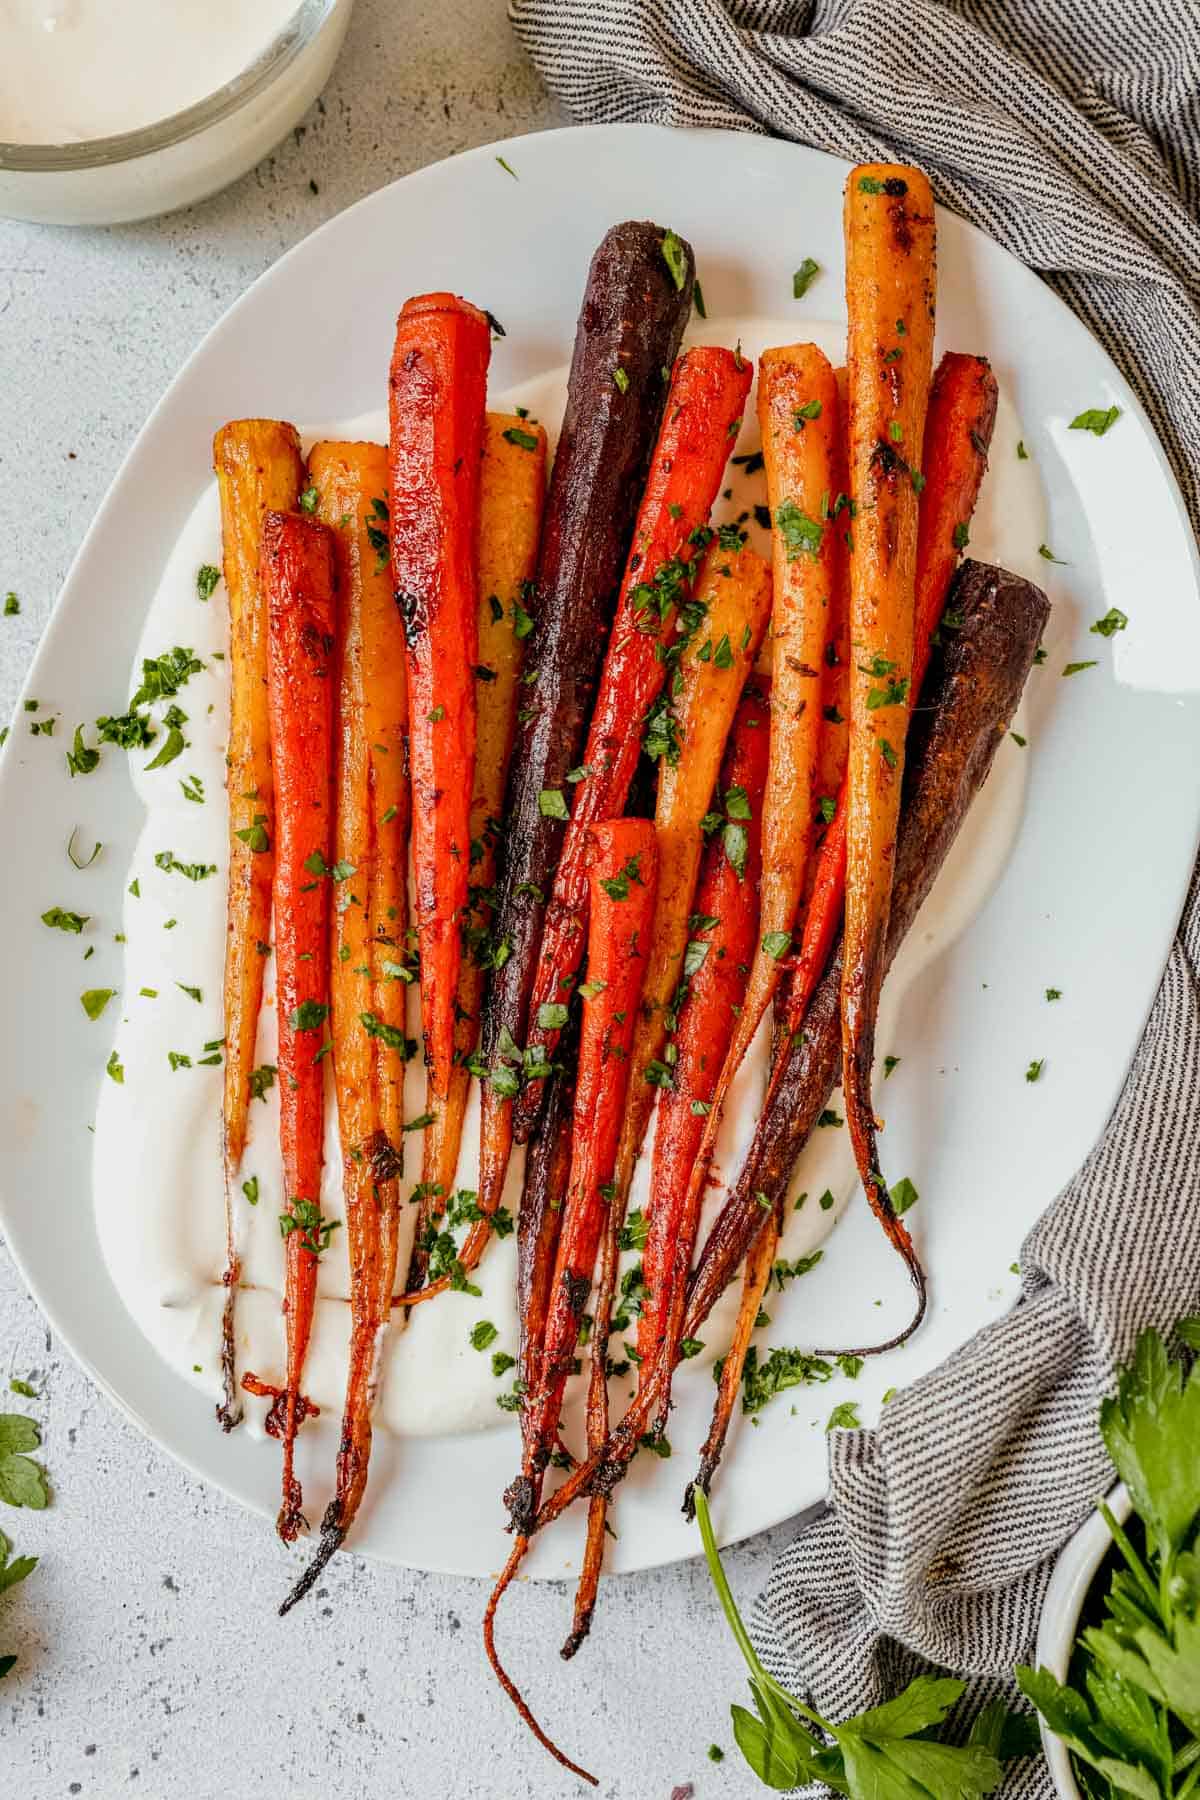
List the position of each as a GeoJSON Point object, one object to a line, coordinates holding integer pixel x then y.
{"type": "Point", "coordinates": [1047, 555]}
{"type": "Point", "coordinates": [1054, 993]}
{"type": "Point", "coordinates": [804, 277]}
{"type": "Point", "coordinates": [1034, 1071]}
{"type": "Point", "coordinates": [207, 577]}
{"type": "Point", "coordinates": [962, 536]}
{"type": "Point", "coordinates": [890, 1063]}
{"type": "Point", "coordinates": [262, 1080]}
{"type": "Point", "coordinates": [552, 804]}
{"type": "Point", "coordinates": [801, 535]}
{"type": "Point", "coordinates": [250, 1189]}
{"type": "Point", "coordinates": [844, 1418]}
{"type": "Point", "coordinates": [776, 944]}
{"type": "Point", "coordinates": [483, 1334]}
{"type": "Point", "coordinates": [163, 676]}
{"type": "Point", "coordinates": [1095, 420]}
{"type": "Point", "coordinates": [115, 1069]}
{"type": "Point", "coordinates": [308, 500]}
{"type": "Point", "coordinates": [904, 1195]}
{"type": "Point", "coordinates": [193, 789]}
{"type": "Point", "coordinates": [80, 759]}
{"type": "Point", "coordinates": [391, 1035]}
{"type": "Point", "coordinates": [12, 605]}
{"type": "Point", "coordinates": [527, 440]}
{"type": "Point", "coordinates": [894, 694]}
{"type": "Point", "coordinates": [1076, 668]}
{"type": "Point", "coordinates": [94, 1001]}
{"type": "Point", "coordinates": [60, 920]}
{"type": "Point", "coordinates": [502, 1362]}
{"type": "Point", "coordinates": [617, 886]}
{"type": "Point", "coordinates": [888, 754]}
{"type": "Point", "coordinates": [168, 861]}
{"type": "Point", "coordinates": [307, 1218]}
{"type": "Point", "coordinates": [635, 1231]}
{"type": "Point", "coordinates": [810, 410]}
{"type": "Point", "coordinates": [508, 168]}
{"type": "Point", "coordinates": [1022, 452]}
{"type": "Point", "coordinates": [1113, 621]}
{"type": "Point", "coordinates": [698, 300]}
{"type": "Point", "coordinates": [675, 256]}
{"type": "Point", "coordinates": [255, 835]}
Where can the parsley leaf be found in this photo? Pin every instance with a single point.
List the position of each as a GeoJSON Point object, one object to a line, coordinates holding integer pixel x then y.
{"type": "Point", "coordinates": [21, 1480]}
{"type": "Point", "coordinates": [1095, 420]}
{"type": "Point", "coordinates": [804, 277]}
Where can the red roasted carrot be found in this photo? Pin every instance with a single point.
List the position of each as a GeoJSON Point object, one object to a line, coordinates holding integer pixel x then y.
{"type": "Point", "coordinates": [703, 413]}
{"type": "Point", "coordinates": [958, 431]}
{"type": "Point", "coordinates": [370, 873]}
{"type": "Point", "coordinates": [728, 894]}
{"type": "Point", "coordinates": [437, 395]}
{"type": "Point", "coordinates": [890, 286]}
{"type": "Point", "coordinates": [703, 1015]}
{"type": "Point", "coordinates": [299, 577]}
{"type": "Point", "coordinates": [622, 881]}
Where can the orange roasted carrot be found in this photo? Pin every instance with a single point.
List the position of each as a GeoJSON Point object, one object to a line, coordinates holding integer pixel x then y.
{"type": "Point", "coordinates": [258, 469]}
{"type": "Point", "coordinates": [722, 949]}
{"type": "Point", "coordinates": [760, 1260]}
{"type": "Point", "coordinates": [734, 586]}
{"type": "Point", "coordinates": [890, 288]}
{"type": "Point", "coordinates": [805, 467]}
{"type": "Point", "coordinates": [300, 579]}
{"type": "Point", "coordinates": [702, 1016]}
{"type": "Point", "coordinates": [437, 398]}
{"type": "Point", "coordinates": [622, 879]}
{"type": "Point", "coordinates": [368, 965]}
{"type": "Point", "coordinates": [703, 414]}
{"type": "Point", "coordinates": [958, 432]}
{"type": "Point", "coordinates": [512, 493]}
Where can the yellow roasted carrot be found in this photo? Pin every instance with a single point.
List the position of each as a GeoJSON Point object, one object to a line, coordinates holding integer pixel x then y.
{"type": "Point", "coordinates": [512, 492]}
{"type": "Point", "coordinates": [259, 469]}
{"type": "Point", "coordinates": [712, 672]}
{"type": "Point", "coordinates": [890, 287]}
{"type": "Point", "coordinates": [801, 435]}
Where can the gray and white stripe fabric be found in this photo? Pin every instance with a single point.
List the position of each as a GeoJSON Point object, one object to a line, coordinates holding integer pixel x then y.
{"type": "Point", "coordinates": [1069, 130]}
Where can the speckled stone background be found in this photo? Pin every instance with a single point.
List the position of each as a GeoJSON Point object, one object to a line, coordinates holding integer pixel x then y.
{"type": "Point", "coordinates": [151, 1661]}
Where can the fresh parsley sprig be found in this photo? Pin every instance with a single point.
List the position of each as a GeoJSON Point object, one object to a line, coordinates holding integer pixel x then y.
{"type": "Point", "coordinates": [1134, 1724]}
{"type": "Point", "coordinates": [885, 1753]}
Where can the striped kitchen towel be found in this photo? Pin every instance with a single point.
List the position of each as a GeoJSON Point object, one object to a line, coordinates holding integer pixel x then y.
{"type": "Point", "coordinates": [1069, 130]}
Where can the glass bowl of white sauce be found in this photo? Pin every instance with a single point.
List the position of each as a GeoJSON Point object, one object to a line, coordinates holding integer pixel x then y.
{"type": "Point", "coordinates": [113, 110]}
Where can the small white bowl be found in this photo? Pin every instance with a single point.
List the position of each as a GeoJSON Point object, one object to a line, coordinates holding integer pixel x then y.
{"type": "Point", "coordinates": [184, 158]}
{"type": "Point", "coordinates": [1070, 1584]}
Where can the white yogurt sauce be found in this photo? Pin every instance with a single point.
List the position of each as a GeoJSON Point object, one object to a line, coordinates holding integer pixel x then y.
{"type": "Point", "coordinates": [158, 1178]}
{"type": "Point", "coordinates": [72, 70]}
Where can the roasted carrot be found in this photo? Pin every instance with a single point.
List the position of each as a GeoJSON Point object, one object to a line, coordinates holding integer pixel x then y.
{"type": "Point", "coordinates": [635, 306]}
{"type": "Point", "coordinates": [973, 692]}
{"type": "Point", "coordinates": [437, 398]}
{"type": "Point", "coordinates": [539, 1221]}
{"type": "Point", "coordinates": [703, 414]}
{"type": "Point", "coordinates": [622, 878]}
{"type": "Point", "coordinates": [258, 469]}
{"type": "Point", "coordinates": [726, 931]}
{"type": "Point", "coordinates": [802, 439]}
{"type": "Point", "coordinates": [958, 432]}
{"type": "Point", "coordinates": [760, 1260]}
{"type": "Point", "coordinates": [702, 1016]}
{"type": "Point", "coordinates": [734, 586]}
{"type": "Point", "coordinates": [300, 579]}
{"type": "Point", "coordinates": [368, 965]}
{"type": "Point", "coordinates": [512, 490]}
{"type": "Point", "coordinates": [890, 286]}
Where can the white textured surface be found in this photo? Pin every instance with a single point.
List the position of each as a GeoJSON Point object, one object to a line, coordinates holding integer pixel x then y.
{"type": "Point", "coordinates": [151, 1660]}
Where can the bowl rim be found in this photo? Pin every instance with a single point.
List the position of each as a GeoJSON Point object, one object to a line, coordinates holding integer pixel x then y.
{"type": "Point", "coordinates": [1074, 1572]}
{"type": "Point", "coordinates": [302, 27]}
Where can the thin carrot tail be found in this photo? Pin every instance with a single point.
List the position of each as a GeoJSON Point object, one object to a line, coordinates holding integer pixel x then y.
{"type": "Point", "coordinates": [333, 1536]}
{"type": "Point", "coordinates": [230, 1410]}
{"type": "Point", "coordinates": [505, 1679]}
